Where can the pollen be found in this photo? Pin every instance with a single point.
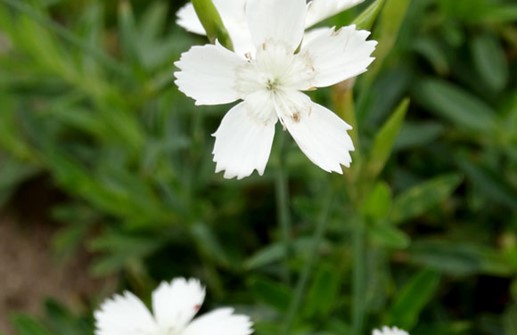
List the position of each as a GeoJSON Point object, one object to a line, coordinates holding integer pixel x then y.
{"type": "Point", "coordinates": [272, 84]}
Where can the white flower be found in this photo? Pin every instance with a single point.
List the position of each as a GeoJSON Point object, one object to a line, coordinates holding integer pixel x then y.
{"type": "Point", "coordinates": [270, 85]}
{"type": "Point", "coordinates": [389, 331]}
{"type": "Point", "coordinates": [174, 305]}
{"type": "Point", "coordinates": [233, 14]}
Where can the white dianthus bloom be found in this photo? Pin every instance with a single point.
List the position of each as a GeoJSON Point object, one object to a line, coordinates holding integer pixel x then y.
{"type": "Point", "coordinates": [233, 14]}
{"type": "Point", "coordinates": [270, 84]}
{"type": "Point", "coordinates": [174, 305]}
{"type": "Point", "coordinates": [389, 331]}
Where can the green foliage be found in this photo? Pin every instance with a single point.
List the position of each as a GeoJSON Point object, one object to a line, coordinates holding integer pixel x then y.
{"type": "Point", "coordinates": [425, 214]}
{"type": "Point", "coordinates": [413, 297]}
{"type": "Point", "coordinates": [59, 321]}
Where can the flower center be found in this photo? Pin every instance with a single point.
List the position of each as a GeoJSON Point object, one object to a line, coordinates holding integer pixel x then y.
{"type": "Point", "coordinates": [274, 68]}
{"type": "Point", "coordinates": [273, 84]}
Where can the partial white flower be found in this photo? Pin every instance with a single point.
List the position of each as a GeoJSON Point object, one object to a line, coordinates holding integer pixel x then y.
{"type": "Point", "coordinates": [320, 10]}
{"type": "Point", "coordinates": [233, 14]}
{"type": "Point", "coordinates": [389, 331]}
{"type": "Point", "coordinates": [270, 85]}
{"type": "Point", "coordinates": [174, 305]}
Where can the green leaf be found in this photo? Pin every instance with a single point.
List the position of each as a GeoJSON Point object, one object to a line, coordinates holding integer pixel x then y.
{"type": "Point", "coordinates": [459, 259]}
{"type": "Point", "coordinates": [388, 236]}
{"type": "Point", "coordinates": [26, 325]}
{"type": "Point", "coordinates": [418, 134]}
{"type": "Point", "coordinates": [421, 198]}
{"type": "Point", "coordinates": [276, 252]}
{"type": "Point", "coordinates": [490, 60]}
{"type": "Point", "coordinates": [212, 23]}
{"type": "Point", "coordinates": [386, 33]}
{"type": "Point", "coordinates": [121, 251]}
{"type": "Point", "coordinates": [67, 35]}
{"type": "Point", "coordinates": [493, 185]}
{"type": "Point", "coordinates": [11, 138]}
{"type": "Point", "coordinates": [412, 299]}
{"type": "Point", "coordinates": [63, 321]}
{"type": "Point", "coordinates": [502, 13]}
{"type": "Point", "coordinates": [377, 204]}
{"type": "Point", "coordinates": [384, 141]}
{"type": "Point", "coordinates": [367, 18]}
{"type": "Point", "coordinates": [209, 244]}
{"type": "Point", "coordinates": [323, 291]}
{"type": "Point", "coordinates": [453, 103]}
{"type": "Point", "coordinates": [127, 31]}
{"type": "Point", "coordinates": [70, 238]}
{"type": "Point", "coordinates": [153, 21]}
{"type": "Point", "coordinates": [272, 293]}
{"type": "Point", "coordinates": [432, 49]}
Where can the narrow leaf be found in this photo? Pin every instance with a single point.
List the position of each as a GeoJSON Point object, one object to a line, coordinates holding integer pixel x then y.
{"type": "Point", "coordinates": [272, 293]}
{"type": "Point", "coordinates": [460, 259]}
{"type": "Point", "coordinates": [388, 236]}
{"type": "Point", "coordinates": [26, 325]}
{"type": "Point", "coordinates": [384, 141]}
{"type": "Point", "coordinates": [412, 299]}
{"type": "Point", "coordinates": [421, 198]}
{"type": "Point", "coordinates": [453, 103]}
{"type": "Point", "coordinates": [377, 204]}
{"type": "Point", "coordinates": [323, 292]}
{"type": "Point", "coordinates": [367, 18]}
{"type": "Point", "coordinates": [490, 61]}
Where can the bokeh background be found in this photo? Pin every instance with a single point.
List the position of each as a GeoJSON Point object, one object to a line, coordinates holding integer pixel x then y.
{"type": "Point", "coordinates": [107, 181]}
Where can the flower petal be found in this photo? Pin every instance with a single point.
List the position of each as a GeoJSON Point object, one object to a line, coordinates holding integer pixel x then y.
{"type": "Point", "coordinates": [389, 331]}
{"type": "Point", "coordinates": [221, 321]}
{"type": "Point", "coordinates": [244, 138]}
{"type": "Point", "coordinates": [233, 15]}
{"type": "Point", "coordinates": [320, 10]}
{"type": "Point", "coordinates": [124, 315]}
{"type": "Point", "coordinates": [313, 34]}
{"type": "Point", "coordinates": [207, 74]}
{"type": "Point", "coordinates": [274, 20]}
{"type": "Point", "coordinates": [320, 134]}
{"type": "Point", "coordinates": [339, 55]}
{"type": "Point", "coordinates": [176, 303]}
{"type": "Point", "coordinates": [187, 18]}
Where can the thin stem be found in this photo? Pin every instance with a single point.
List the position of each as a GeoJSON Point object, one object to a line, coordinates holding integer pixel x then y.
{"type": "Point", "coordinates": [358, 279]}
{"type": "Point", "coordinates": [301, 285]}
{"type": "Point", "coordinates": [282, 204]}
{"type": "Point", "coordinates": [65, 34]}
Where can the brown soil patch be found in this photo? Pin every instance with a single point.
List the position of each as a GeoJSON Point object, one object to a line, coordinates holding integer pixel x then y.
{"type": "Point", "coordinates": [29, 271]}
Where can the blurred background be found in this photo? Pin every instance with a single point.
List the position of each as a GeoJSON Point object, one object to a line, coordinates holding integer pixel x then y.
{"type": "Point", "coordinates": [107, 181]}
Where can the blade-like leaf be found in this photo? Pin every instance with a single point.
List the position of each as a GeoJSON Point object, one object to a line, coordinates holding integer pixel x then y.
{"type": "Point", "coordinates": [412, 299]}
{"type": "Point", "coordinates": [26, 325]}
{"type": "Point", "coordinates": [367, 18]}
{"type": "Point", "coordinates": [420, 198]}
{"type": "Point", "coordinates": [384, 141]}
{"type": "Point", "coordinates": [453, 103]}
{"type": "Point", "coordinates": [490, 60]}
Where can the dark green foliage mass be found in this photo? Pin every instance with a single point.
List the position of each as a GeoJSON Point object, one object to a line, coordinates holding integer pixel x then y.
{"type": "Point", "coordinates": [421, 231]}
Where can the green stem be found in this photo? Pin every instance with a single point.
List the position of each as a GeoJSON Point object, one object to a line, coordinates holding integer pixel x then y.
{"type": "Point", "coordinates": [65, 34]}
{"type": "Point", "coordinates": [212, 22]}
{"type": "Point", "coordinates": [301, 285]}
{"type": "Point", "coordinates": [282, 204]}
{"type": "Point", "coordinates": [359, 278]}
